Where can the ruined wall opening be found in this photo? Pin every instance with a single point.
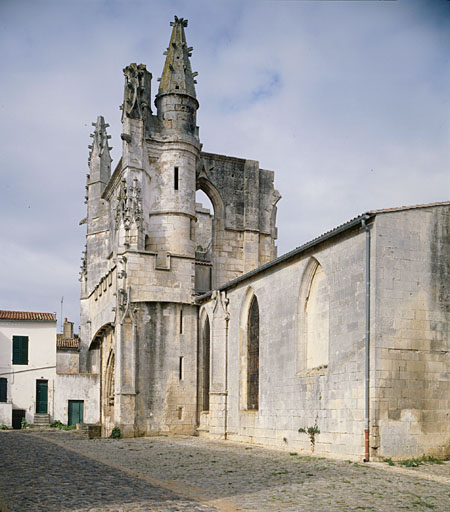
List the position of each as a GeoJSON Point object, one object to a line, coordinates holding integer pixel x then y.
{"type": "Point", "coordinates": [203, 239]}
{"type": "Point", "coordinates": [204, 210]}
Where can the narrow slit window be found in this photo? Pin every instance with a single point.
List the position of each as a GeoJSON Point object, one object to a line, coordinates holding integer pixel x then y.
{"type": "Point", "coordinates": [181, 320]}
{"type": "Point", "coordinates": [175, 178]}
{"type": "Point", "coordinates": [180, 369]}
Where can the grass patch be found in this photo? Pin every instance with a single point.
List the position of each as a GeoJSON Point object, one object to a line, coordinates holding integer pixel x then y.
{"type": "Point", "coordinates": [415, 462]}
{"type": "Point", "coordinates": [281, 472]}
{"type": "Point", "coordinates": [421, 503]}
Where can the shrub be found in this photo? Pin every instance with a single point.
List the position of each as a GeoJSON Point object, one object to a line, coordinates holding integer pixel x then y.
{"type": "Point", "coordinates": [25, 424]}
{"type": "Point", "coordinates": [116, 434]}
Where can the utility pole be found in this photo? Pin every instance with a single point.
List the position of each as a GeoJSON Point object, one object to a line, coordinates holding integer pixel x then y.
{"type": "Point", "coordinates": [62, 327]}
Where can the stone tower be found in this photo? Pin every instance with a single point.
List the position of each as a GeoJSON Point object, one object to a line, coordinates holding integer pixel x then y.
{"type": "Point", "coordinates": [147, 252]}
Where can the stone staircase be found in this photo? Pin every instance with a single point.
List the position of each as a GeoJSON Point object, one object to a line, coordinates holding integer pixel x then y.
{"type": "Point", "coordinates": [41, 420]}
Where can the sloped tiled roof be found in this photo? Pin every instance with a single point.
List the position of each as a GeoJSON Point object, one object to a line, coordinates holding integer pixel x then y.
{"type": "Point", "coordinates": [27, 316]}
{"type": "Point", "coordinates": [62, 342]}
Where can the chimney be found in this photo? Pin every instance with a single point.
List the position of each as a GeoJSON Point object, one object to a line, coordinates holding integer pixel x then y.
{"type": "Point", "coordinates": [68, 329]}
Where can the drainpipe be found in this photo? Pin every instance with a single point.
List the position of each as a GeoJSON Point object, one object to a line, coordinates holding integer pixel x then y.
{"type": "Point", "coordinates": [367, 344]}
{"type": "Point", "coordinates": [227, 319]}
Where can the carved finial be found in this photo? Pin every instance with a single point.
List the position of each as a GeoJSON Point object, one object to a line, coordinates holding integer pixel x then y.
{"type": "Point", "coordinates": [100, 143]}
{"type": "Point", "coordinates": [180, 21]}
{"type": "Point", "coordinates": [137, 94]}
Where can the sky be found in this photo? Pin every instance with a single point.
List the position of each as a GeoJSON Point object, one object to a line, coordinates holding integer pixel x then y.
{"type": "Point", "coordinates": [347, 101]}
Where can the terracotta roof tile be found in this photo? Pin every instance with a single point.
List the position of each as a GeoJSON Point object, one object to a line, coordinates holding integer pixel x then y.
{"type": "Point", "coordinates": [62, 342]}
{"type": "Point", "coordinates": [27, 315]}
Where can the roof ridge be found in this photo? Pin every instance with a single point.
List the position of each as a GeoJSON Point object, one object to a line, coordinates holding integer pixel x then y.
{"type": "Point", "coordinates": [408, 207]}
{"type": "Point", "coordinates": [27, 315]}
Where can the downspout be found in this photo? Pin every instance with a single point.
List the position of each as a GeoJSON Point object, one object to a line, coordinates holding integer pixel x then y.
{"type": "Point", "coordinates": [227, 319]}
{"type": "Point", "coordinates": [367, 344]}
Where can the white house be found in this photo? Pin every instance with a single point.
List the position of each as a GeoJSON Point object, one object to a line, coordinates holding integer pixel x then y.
{"type": "Point", "coordinates": [27, 367]}
{"type": "Point", "coordinates": [34, 385]}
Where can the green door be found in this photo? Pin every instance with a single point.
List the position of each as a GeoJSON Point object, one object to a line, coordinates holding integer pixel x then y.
{"type": "Point", "coordinates": [75, 411]}
{"type": "Point", "coordinates": [41, 396]}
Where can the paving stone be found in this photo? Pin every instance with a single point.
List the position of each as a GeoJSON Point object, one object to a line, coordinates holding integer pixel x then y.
{"type": "Point", "coordinates": [36, 474]}
{"type": "Point", "coordinates": [63, 471]}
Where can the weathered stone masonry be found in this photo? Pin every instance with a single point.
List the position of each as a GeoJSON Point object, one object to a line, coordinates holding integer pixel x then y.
{"type": "Point", "coordinates": [144, 260]}
{"type": "Point", "coordinates": [312, 332]}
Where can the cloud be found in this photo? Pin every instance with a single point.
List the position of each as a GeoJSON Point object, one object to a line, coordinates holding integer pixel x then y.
{"type": "Point", "coordinates": [346, 101]}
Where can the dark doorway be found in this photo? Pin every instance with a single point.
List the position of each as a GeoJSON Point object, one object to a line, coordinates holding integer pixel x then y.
{"type": "Point", "coordinates": [41, 396]}
{"type": "Point", "coordinates": [76, 408]}
{"type": "Point", "coordinates": [17, 416]}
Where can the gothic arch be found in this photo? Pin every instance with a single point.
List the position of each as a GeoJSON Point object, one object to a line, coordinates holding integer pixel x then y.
{"type": "Point", "coordinates": [211, 191]}
{"type": "Point", "coordinates": [218, 226]}
{"type": "Point", "coordinates": [108, 392]}
{"type": "Point", "coordinates": [249, 352]}
{"type": "Point", "coordinates": [109, 378]}
{"type": "Point", "coordinates": [100, 334]}
{"type": "Point", "coordinates": [313, 318]}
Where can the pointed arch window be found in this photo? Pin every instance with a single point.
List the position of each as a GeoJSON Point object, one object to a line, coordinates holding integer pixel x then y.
{"type": "Point", "coordinates": [253, 356]}
{"type": "Point", "coordinates": [314, 308]}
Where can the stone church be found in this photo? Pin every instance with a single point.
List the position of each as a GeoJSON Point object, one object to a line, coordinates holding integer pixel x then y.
{"type": "Point", "coordinates": [340, 346]}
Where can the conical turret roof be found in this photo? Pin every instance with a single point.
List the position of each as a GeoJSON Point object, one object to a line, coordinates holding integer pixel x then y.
{"type": "Point", "coordinates": [177, 76]}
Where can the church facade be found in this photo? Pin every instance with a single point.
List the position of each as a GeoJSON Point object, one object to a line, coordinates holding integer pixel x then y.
{"type": "Point", "coordinates": [196, 327]}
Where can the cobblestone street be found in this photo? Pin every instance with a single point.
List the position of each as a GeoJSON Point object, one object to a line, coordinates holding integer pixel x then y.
{"type": "Point", "coordinates": [57, 471]}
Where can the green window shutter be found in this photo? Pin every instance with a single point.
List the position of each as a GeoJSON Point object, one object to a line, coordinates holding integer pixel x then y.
{"type": "Point", "coordinates": [20, 349]}
{"type": "Point", "coordinates": [17, 349]}
{"type": "Point", "coordinates": [25, 350]}
{"type": "Point", "coordinates": [3, 389]}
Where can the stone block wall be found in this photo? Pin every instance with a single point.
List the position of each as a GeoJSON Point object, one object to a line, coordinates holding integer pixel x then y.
{"type": "Point", "coordinates": [244, 200]}
{"type": "Point", "coordinates": [291, 395]}
{"type": "Point", "coordinates": [167, 374]}
{"type": "Point", "coordinates": [409, 351]}
{"type": "Point", "coordinates": [411, 414]}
